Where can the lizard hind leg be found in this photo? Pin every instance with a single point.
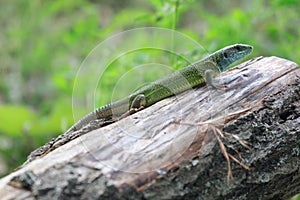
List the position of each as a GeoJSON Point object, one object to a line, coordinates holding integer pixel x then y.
{"type": "Point", "coordinates": [138, 102]}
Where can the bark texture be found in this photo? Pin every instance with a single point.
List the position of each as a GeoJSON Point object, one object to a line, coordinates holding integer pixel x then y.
{"type": "Point", "coordinates": [170, 150]}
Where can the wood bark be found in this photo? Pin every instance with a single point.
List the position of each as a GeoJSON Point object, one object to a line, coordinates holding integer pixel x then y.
{"type": "Point", "coordinates": [171, 150]}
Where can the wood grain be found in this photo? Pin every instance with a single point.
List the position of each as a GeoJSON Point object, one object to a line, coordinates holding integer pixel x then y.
{"type": "Point", "coordinates": [153, 154]}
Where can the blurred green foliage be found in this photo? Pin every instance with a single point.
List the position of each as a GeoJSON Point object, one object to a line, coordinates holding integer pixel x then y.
{"type": "Point", "coordinates": [43, 44]}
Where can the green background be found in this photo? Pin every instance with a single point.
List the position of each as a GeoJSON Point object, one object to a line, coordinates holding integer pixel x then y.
{"type": "Point", "coordinates": [43, 44]}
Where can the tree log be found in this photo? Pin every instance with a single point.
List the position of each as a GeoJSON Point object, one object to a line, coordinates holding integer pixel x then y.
{"type": "Point", "coordinates": [174, 149]}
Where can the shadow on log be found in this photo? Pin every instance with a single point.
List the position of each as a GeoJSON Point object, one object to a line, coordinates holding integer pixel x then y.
{"type": "Point", "coordinates": [154, 154]}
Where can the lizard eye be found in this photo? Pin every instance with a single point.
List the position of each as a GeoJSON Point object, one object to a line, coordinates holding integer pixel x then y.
{"type": "Point", "coordinates": [225, 55]}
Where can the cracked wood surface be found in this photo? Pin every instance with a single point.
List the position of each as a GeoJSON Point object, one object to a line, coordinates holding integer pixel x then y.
{"type": "Point", "coordinates": [152, 154]}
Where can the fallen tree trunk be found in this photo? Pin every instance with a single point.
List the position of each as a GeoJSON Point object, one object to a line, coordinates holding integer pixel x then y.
{"type": "Point", "coordinates": [174, 149]}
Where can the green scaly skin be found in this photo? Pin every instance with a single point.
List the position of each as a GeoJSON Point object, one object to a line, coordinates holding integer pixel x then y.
{"type": "Point", "coordinates": [179, 81]}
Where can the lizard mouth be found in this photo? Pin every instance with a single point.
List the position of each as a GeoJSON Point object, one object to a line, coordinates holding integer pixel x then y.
{"type": "Point", "coordinates": [244, 49]}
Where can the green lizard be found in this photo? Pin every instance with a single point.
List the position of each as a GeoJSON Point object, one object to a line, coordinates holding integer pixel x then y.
{"type": "Point", "coordinates": [186, 78]}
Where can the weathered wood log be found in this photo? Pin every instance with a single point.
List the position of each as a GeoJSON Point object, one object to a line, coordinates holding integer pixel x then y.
{"type": "Point", "coordinates": [171, 150]}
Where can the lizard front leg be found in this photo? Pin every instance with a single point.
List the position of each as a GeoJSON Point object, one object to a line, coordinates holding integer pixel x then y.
{"type": "Point", "coordinates": [210, 80]}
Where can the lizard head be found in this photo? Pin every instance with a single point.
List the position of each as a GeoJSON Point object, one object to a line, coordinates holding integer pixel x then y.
{"type": "Point", "coordinates": [228, 55]}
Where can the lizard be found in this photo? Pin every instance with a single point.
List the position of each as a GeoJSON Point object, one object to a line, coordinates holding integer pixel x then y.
{"type": "Point", "coordinates": [172, 84]}
{"type": "Point", "coordinates": [200, 72]}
